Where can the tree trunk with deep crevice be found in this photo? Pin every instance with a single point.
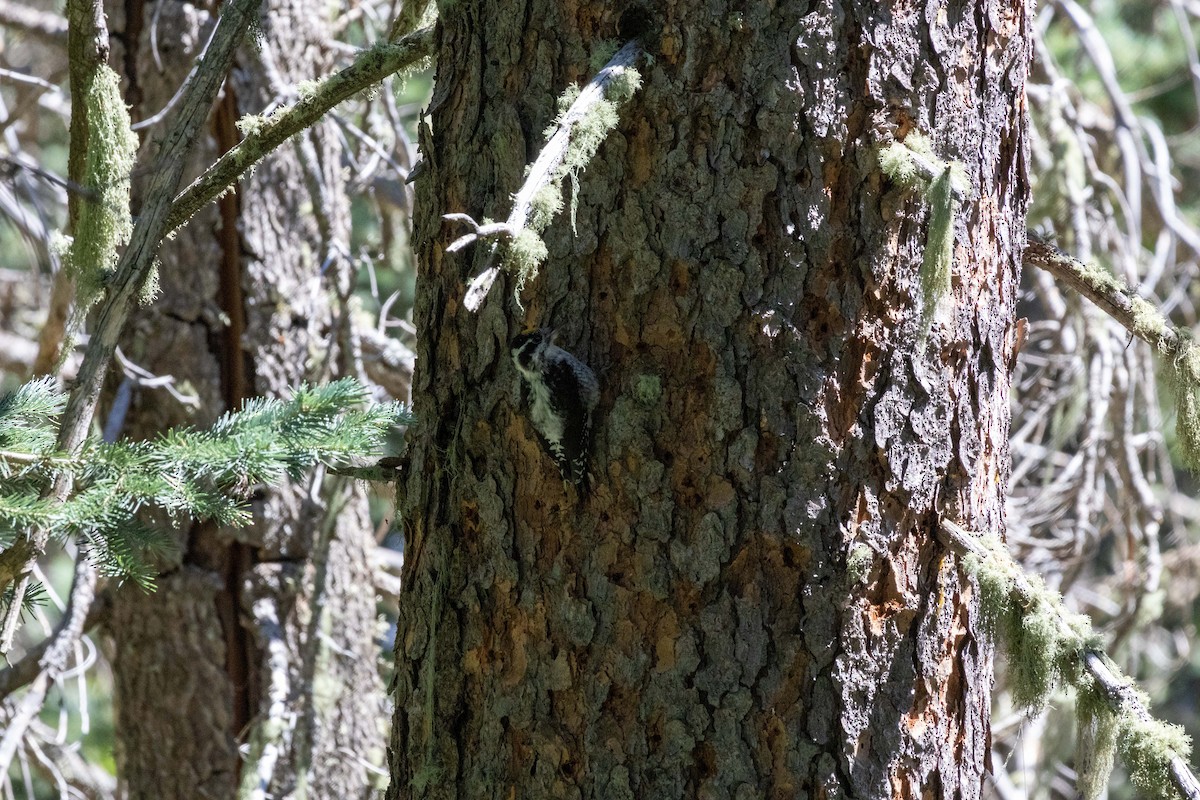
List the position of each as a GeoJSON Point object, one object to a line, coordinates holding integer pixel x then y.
{"type": "Point", "coordinates": [279, 619]}
{"type": "Point", "coordinates": [752, 602]}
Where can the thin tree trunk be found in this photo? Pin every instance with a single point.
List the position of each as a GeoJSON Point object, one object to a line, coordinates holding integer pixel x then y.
{"type": "Point", "coordinates": [267, 635]}
{"type": "Point", "coordinates": [751, 602]}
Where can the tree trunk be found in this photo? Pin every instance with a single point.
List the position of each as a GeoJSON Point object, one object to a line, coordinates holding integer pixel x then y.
{"type": "Point", "coordinates": [751, 602]}
{"type": "Point", "coordinates": [268, 634]}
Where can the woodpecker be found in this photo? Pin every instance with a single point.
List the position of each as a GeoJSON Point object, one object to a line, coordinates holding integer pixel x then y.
{"type": "Point", "coordinates": [563, 392]}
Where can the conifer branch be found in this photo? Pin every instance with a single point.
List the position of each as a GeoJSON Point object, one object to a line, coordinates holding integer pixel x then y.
{"type": "Point", "coordinates": [262, 135]}
{"type": "Point", "coordinates": [128, 282]}
{"type": "Point", "coordinates": [1070, 652]}
{"type": "Point", "coordinates": [185, 472]}
{"type": "Point", "coordinates": [204, 473]}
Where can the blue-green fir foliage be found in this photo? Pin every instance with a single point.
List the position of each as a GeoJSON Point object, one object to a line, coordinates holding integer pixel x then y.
{"type": "Point", "coordinates": [185, 473]}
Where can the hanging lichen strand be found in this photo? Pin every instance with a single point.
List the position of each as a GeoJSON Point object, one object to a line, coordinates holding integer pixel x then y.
{"type": "Point", "coordinates": [913, 165]}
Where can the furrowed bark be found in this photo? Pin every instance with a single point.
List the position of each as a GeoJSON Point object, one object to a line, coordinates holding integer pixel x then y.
{"type": "Point", "coordinates": [247, 309]}
{"type": "Point", "coordinates": [752, 602]}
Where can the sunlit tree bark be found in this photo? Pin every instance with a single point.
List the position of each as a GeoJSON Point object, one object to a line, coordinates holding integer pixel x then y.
{"type": "Point", "coordinates": [751, 602]}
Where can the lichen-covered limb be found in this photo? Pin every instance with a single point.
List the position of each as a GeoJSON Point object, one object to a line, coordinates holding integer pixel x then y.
{"type": "Point", "coordinates": [1116, 691]}
{"type": "Point", "coordinates": [87, 51]}
{"type": "Point", "coordinates": [1121, 696]}
{"type": "Point", "coordinates": [372, 66]}
{"type": "Point", "coordinates": [128, 280]}
{"type": "Point", "coordinates": [545, 171]}
{"type": "Point", "coordinates": [1179, 352]}
{"type": "Point", "coordinates": [1111, 294]}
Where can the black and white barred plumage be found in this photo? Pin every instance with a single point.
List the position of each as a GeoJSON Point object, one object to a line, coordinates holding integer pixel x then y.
{"type": "Point", "coordinates": [563, 392]}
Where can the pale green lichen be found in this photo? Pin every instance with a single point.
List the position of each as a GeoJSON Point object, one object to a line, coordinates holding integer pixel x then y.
{"type": "Point", "coordinates": [545, 206]}
{"type": "Point", "coordinates": [939, 248]}
{"type": "Point", "coordinates": [1184, 362]}
{"type": "Point", "coordinates": [1042, 651]}
{"type": "Point", "coordinates": [1148, 321]}
{"type": "Point", "coordinates": [563, 103]}
{"type": "Point", "coordinates": [1147, 747]}
{"type": "Point", "coordinates": [1045, 646]}
{"type": "Point", "coordinates": [150, 287]}
{"type": "Point", "coordinates": [306, 90]}
{"type": "Point", "coordinates": [1096, 732]}
{"type": "Point", "coordinates": [995, 588]}
{"type": "Point", "coordinates": [104, 222]}
{"type": "Point", "coordinates": [526, 253]}
{"type": "Point", "coordinates": [588, 133]}
{"type": "Point", "coordinates": [1034, 651]}
{"type": "Point", "coordinates": [897, 164]}
{"type": "Point", "coordinates": [858, 563]}
{"type": "Point", "coordinates": [251, 124]}
{"type": "Point", "coordinates": [624, 84]}
{"type": "Point", "coordinates": [648, 389]}
{"type": "Point", "coordinates": [898, 161]}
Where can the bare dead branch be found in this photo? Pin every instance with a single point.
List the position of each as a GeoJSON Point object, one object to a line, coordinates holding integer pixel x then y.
{"type": "Point", "coordinates": [371, 67]}
{"type": "Point", "coordinates": [88, 780]}
{"type": "Point", "coordinates": [41, 24]}
{"type": "Point", "coordinates": [52, 661]}
{"type": "Point", "coordinates": [24, 671]}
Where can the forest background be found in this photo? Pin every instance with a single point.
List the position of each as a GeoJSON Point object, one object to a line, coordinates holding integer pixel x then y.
{"type": "Point", "coordinates": [1101, 504]}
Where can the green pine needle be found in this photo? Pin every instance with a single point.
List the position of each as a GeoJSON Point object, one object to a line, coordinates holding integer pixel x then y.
{"type": "Point", "coordinates": [185, 473]}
